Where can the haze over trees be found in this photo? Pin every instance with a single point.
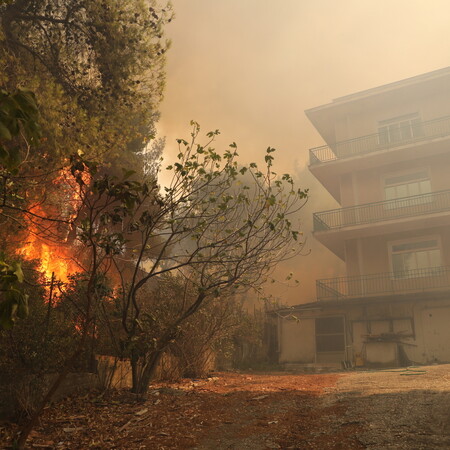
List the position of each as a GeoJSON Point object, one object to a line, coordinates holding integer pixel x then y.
{"type": "Point", "coordinates": [96, 255]}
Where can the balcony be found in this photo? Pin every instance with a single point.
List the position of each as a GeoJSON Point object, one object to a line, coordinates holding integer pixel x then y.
{"type": "Point", "coordinates": [384, 284]}
{"type": "Point", "coordinates": [418, 205]}
{"type": "Point", "coordinates": [422, 131]}
{"type": "Point", "coordinates": [421, 141]}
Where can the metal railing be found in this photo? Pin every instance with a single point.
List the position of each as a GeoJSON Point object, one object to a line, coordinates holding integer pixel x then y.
{"type": "Point", "coordinates": [388, 283]}
{"type": "Point", "coordinates": [380, 211]}
{"type": "Point", "coordinates": [421, 131]}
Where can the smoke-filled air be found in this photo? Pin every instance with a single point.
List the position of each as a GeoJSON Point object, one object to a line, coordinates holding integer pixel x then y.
{"type": "Point", "coordinates": [224, 224]}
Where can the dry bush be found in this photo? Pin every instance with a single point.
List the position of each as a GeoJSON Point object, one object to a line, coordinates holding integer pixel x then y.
{"type": "Point", "coordinates": [192, 352]}
{"type": "Point", "coordinates": [36, 348]}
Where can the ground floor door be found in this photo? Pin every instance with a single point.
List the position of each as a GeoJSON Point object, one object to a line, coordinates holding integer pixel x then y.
{"type": "Point", "coordinates": [436, 334]}
{"type": "Point", "coordinates": [330, 339]}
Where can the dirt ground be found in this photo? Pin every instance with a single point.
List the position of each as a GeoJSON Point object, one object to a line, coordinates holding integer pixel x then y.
{"type": "Point", "coordinates": [390, 409]}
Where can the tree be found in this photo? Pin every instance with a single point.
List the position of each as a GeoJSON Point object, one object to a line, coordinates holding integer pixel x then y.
{"type": "Point", "coordinates": [97, 71]}
{"type": "Point", "coordinates": [200, 337]}
{"type": "Point", "coordinates": [209, 226]}
{"type": "Point", "coordinates": [107, 57]}
{"type": "Point", "coordinates": [18, 126]}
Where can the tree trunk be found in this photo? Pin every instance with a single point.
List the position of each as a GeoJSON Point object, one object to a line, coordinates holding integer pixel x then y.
{"type": "Point", "coordinates": [135, 370]}
{"type": "Point", "coordinates": [142, 379]}
{"type": "Point", "coordinates": [142, 375]}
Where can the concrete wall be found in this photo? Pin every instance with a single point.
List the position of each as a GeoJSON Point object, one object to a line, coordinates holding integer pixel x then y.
{"type": "Point", "coordinates": [367, 186]}
{"type": "Point", "coordinates": [361, 118]}
{"type": "Point", "coordinates": [433, 325]}
{"type": "Point", "coordinates": [113, 372]}
{"type": "Point", "coordinates": [296, 340]}
{"type": "Point", "coordinates": [423, 328]}
{"type": "Point", "coordinates": [370, 255]}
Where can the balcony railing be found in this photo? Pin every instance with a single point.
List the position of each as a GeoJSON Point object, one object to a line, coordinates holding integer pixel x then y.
{"type": "Point", "coordinates": [421, 131]}
{"type": "Point", "coordinates": [381, 211]}
{"type": "Point", "coordinates": [389, 283]}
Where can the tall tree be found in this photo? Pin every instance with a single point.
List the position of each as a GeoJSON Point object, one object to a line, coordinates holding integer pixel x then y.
{"type": "Point", "coordinates": [97, 69]}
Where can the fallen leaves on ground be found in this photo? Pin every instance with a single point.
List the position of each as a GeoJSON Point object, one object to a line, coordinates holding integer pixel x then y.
{"type": "Point", "coordinates": [260, 411]}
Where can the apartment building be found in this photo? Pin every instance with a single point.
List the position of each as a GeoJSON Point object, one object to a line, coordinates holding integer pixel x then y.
{"type": "Point", "coordinates": [386, 160]}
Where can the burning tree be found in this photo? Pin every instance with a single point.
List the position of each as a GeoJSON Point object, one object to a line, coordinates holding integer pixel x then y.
{"type": "Point", "coordinates": [96, 69]}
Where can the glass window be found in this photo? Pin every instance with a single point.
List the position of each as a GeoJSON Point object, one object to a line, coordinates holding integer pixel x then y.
{"type": "Point", "coordinates": [413, 188]}
{"type": "Point", "coordinates": [405, 130]}
{"type": "Point", "coordinates": [407, 185]}
{"type": "Point", "coordinates": [423, 259]}
{"type": "Point", "coordinates": [434, 257]}
{"type": "Point", "coordinates": [401, 191]}
{"type": "Point", "coordinates": [390, 193]}
{"type": "Point", "coordinates": [399, 129]}
{"type": "Point", "coordinates": [425, 186]}
{"type": "Point", "coordinates": [413, 259]}
{"type": "Point", "coordinates": [416, 127]}
{"type": "Point", "coordinates": [330, 334]}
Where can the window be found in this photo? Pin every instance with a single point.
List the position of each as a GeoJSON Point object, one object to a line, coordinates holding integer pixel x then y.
{"type": "Point", "coordinates": [411, 259]}
{"type": "Point", "coordinates": [400, 129]}
{"type": "Point", "coordinates": [407, 185]}
{"type": "Point", "coordinates": [330, 334]}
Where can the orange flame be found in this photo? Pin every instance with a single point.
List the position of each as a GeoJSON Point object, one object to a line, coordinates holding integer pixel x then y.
{"type": "Point", "coordinates": [54, 261]}
{"type": "Point", "coordinates": [46, 241]}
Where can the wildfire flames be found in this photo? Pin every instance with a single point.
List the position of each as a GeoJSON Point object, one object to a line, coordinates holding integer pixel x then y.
{"type": "Point", "coordinates": [54, 262]}
{"type": "Point", "coordinates": [47, 241]}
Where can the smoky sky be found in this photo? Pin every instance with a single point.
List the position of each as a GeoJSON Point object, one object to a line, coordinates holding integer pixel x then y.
{"type": "Point", "coordinates": [251, 67]}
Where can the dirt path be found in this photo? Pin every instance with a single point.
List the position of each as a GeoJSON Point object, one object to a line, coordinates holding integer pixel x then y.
{"type": "Point", "coordinates": [375, 410]}
{"type": "Point", "coordinates": [398, 409]}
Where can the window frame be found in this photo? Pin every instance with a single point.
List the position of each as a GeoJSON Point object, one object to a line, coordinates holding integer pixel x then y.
{"type": "Point", "coordinates": [391, 244]}
{"type": "Point", "coordinates": [386, 135]}
{"type": "Point", "coordinates": [330, 334]}
{"type": "Point", "coordinates": [397, 200]}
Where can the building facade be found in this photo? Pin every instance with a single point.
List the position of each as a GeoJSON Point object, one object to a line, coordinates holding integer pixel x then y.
{"type": "Point", "coordinates": [386, 160]}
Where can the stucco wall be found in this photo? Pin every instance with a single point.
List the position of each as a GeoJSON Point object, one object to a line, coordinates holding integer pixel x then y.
{"type": "Point", "coordinates": [370, 254]}
{"type": "Point", "coordinates": [433, 324]}
{"type": "Point", "coordinates": [361, 118]}
{"type": "Point", "coordinates": [297, 338]}
{"type": "Point", "coordinates": [367, 186]}
{"type": "Point", "coordinates": [424, 329]}
{"type": "Point", "coordinates": [297, 341]}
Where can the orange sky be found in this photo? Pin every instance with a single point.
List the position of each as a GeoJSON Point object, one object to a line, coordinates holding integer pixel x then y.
{"type": "Point", "coordinates": [251, 68]}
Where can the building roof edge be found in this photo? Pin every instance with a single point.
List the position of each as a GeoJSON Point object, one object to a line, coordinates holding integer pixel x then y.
{"type": "Point", "coordinates": [381, 89]}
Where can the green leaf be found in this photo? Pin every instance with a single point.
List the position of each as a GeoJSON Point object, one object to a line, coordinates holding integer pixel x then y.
{"type": "Point", "coordinates": [22, 307]}
{"type": "Point", "coordinates": [27, 102]}
{"type": "Point", "coordinates": [4, 132]}
{"type": "Point", "coordinates": [17, 270]}
{"type": "Point", "coordinates": [3, 153]}
{"type": "Point", "coordinates": [8, 308]}
{"type": "Point", "coordinates": [6, 321]}
{"type": "Point", "coordinates": [127, 173]}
